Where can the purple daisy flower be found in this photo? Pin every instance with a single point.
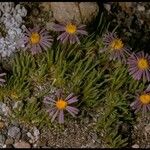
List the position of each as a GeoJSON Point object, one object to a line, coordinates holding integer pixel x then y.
{"type": "Point", "coordinates": [70, 32]}
{"type": "Point", "coordinates": [139, 66]}
{"type": "Point", "coordinates": [142, 102]}
{"type": "Point", "coordinates": [1, 78]}
{"type": "Point", "coordinates": [116, 47]}
{"type": "Point", "coordinates": [36, 40]}
{"type": "Point", "coordinates": [60, 104]}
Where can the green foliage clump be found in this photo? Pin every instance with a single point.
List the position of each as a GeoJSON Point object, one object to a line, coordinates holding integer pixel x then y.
{"type": "Point", "coordinates": [31, 113]}
{"type": "Point", "coordinates": [17, 86]}
{"type": "Point", "coordinates": [98, 82]}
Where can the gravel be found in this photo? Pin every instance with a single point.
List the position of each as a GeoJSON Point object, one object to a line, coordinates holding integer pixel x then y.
{"type": "Point", "coordinates": [135, 146]}
{"type": "Point", "coordinates": [14, 132]}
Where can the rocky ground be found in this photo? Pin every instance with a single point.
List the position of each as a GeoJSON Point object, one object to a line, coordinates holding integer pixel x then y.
{"type": "Point", "coordinates": [134, 22]}
{"type": "Point", "coordinates": [134, 27]}
{"type": "Point", "coordinates": [80, 133]}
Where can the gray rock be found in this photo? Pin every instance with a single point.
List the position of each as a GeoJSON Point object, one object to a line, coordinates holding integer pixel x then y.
{"type": "Point", "coordinates": [141, 8]}
{"type": "Point", "coordinates": [1, 111]}
{"type": "Point", "coordinates": [4, 109]}
{"type": "Point", "coordinates": [2, 139]}
{"type": "Point", "coordinates": [65, 11]}
{"type": "Point", "coordinates": [82, 12]}
{"type": "Point", "coordinates": [2, 124]}
{"type": "Point", "coordinates": [107, 7]}
{"type": "Point", "coordinates": [35, 136]}
{"type": "Point", "coordinates": [22, 144]}
{"type": "Point", "coordinates": [135, 146]}
{"type": "Point", "coordinates": [14, 132]}
{"type": "Point", "coordinates": [89, 11]}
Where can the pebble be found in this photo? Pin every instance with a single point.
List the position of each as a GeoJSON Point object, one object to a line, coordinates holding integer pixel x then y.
{"type": "Point", "coordinates": [2, 139]}
{"type": "Point", "coordinates": [135, 146]}
{"type": "Point", "coordinates": [22, 144]}
{"type": "Point", "coordinates": [4, 109]}
{"type": "Point", "coordinates": [107, 7]}
{"type": "Point", "coordinates": [9, 141]}
{"type": "Point", "coordinates": [1, 104]}
{"type": "Point", "coordinates": [14, 132]}
{"type": "Point", "coordinates": [141, 8]}
{"type": "Point", "coordinates": [35, 136]}
{"type": "Point", "coordinates": [2, 124]}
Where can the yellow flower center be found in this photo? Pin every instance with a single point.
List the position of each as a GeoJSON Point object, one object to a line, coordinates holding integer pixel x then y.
{"type": "Point", "coordinates": [143, 64]}
{"type": "Point", "coordinates": [145, 98]}
{"type": "Point", "coordinates": [35, 38]}
{"type": "Point", "coordinates": [117, 44]}
{"type": "Point", "coordinates": [61, 104]}
{"type": "Point", "coordinates": [70, 28]}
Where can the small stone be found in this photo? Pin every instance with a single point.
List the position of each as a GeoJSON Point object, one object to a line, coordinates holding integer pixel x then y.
{"type": "Point", "coordinates": [1, 104]}
{"type": "Point", "coordinates": [107, 7]}
{"type": "Point", "coordinates": [36, 133]}
{"type": "Point", "coordinates": [147, 128]}
{"type": "Point", "coordinates": [141, 8]}
{"type": "Point", "coordinates": [22, 144]}
{"type": "Point", "coordinates": [2, 124]}
{"type": "Point", "coordinates": [83, 12]}
{"type": "Point", "coordinates": [135, 146]}
{"type": "Point", "coordinates": [35, 145]}
{"type": "Point", "coordinates": [2, 139]}
{"type": "Point", "coordinates": [14, 132]}
{"type": "Point", "coordinates": [65, 11]}
{"type": "Point", "coordinates": [4, 109]}
{"type": "Point", "coordinates": [9, 141]}
{"type": "Point", "coordinates": [89, 11]}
